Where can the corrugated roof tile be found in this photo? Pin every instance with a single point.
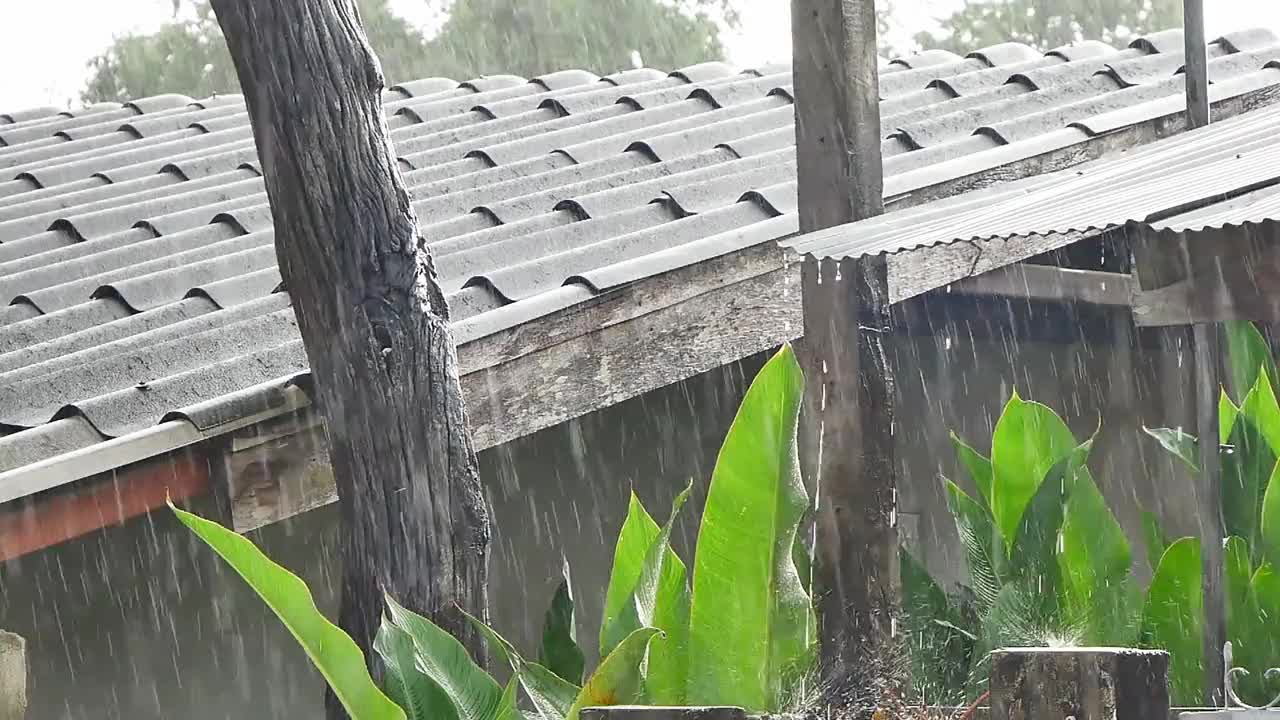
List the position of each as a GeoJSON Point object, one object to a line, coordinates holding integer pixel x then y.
{"type": "Point", "coordinates": [145, 254]}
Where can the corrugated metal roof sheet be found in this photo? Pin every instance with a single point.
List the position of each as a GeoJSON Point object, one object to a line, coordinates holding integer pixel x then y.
{"type": "Point", "coordinates": [1224, 174]}
{"type": "Point", "coordinates": [137, 273]}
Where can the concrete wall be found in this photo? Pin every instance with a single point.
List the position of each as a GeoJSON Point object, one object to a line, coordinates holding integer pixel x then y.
{"type": "Point", "coordinates": [137, 621]}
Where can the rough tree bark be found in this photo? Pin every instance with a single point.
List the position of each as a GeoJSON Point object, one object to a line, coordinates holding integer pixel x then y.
{"type": "Point", "coordinates": [373, 318]}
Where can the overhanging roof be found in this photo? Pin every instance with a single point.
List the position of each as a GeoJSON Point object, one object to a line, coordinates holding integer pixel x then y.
{"type": "Point", "coordinates": [136, 252]}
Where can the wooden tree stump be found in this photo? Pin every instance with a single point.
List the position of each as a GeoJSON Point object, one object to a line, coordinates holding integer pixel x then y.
{"type": "Point", "coordinates": [13, 676]}
{"type": "Point", "coordinates": [1079, 683]}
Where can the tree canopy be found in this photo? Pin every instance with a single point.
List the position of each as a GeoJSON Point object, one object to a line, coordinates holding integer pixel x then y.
{"type": "Point", "coordinates": [1047, 24]}
{"type": "Point", "coordinates": [525, 37]}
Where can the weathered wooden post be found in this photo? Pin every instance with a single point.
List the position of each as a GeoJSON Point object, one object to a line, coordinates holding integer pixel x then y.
{"type": "Point", "coordinates": [1080, 684]}
{"type": "Point", "coordinates": [846, 315]}
{"type": "Point", "coordinates": [13, 676]}
{"type": "Point", "coordinates": [1208, 385]}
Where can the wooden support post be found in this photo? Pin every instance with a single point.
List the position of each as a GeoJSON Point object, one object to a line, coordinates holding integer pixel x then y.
{"type": "Point", "coordinates": [1208, 385]}
{"type": "Point", "coordinates": [1197, 63]}
{"type": "Point", "coordinates": [846, 315]}
{"type": "Point", "coordinates": [13, 676]}
{"type": "Point", "coordinates": [1079, 683]}
{"type": "Point", "coordinates": [1209, 507]}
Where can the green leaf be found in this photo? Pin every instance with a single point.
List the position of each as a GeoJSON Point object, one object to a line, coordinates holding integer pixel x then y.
{"type": "Point", "coordinates": [331, 650]}
{"type": "Point", "coordinates": [662, 601]}
{"type": "Point", "coordinates": [507, 709]}
{"type": "Point", "coordinates": [1032, 559]}
{"type": "Point", "coordinates": [1247, 465]}
{"type": "Point", "coordinates": [1248, 355]}
{"type": "Point", "coordinates": [1153, 536]}
{"type": "Point", "coordinates": [939, 644]}
{"type": "Point", "coordinates": [1238, 573]}
{"type": "Point", "coordinates": [752, 627]}
{"type": "Point", "coordinates": [1270, 535]}
{"type": "Point", "coordinates": [978, 467]}
{"type": "Point", "coordinates": [1227, 414]}
{"type": "Point", "coordinates": [559, 651]}
{"type": "Point", "coordinates": [618, 679]}
{"type": "Point", "coordinates": [1029, 440]}
{"type": "Point", "coordinates": [984, 550]}
{"type": "Point", "coordinates": [635, 538]}
{"type": "Point", "coordinates": [1183, 445]}
{"type": "Point", "coordinates": [475, 695]}
{"type": "Point", "coordinates": [551, 694]}
{"type": "Point", "coordinates": [420, 697]}
{"type": "Point", "coordinates": [1094, 560]}
{"type": "Point", "coordinates": [1265, 596]}
{"type": "Point", "coordinates": [1261, 408]}
{"type": "Point", "coordinates": [1173, 615]}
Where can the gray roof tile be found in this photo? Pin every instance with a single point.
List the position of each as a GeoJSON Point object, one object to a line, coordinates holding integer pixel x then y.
{"type": "Point", "coordinates": [136, 243]}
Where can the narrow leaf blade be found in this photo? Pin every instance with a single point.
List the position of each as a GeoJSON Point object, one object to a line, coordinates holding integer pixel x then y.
{"type": "Point", "coordinates": [331, 650]}
{"type": "Point", "coordinates": [978, 467]}
{"type": "Point", "coordinates": [559, 651]}
{"type": "Point", "coordinates": [638, 532]}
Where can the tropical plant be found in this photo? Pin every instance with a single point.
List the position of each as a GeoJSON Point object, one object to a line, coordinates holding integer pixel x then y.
{"type": "Point", "coordinates": [1048, 564]}
{"type": "Point", "coordinates": [742, 632]}
{"type": "Point", "coordinates": [1248, 448]}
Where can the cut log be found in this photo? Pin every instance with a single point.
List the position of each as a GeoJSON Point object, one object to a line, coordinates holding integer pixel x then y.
{"type": "Point", "coordinates": [1080, 684]}
{"type": "Point", "coordinates": [13, 676]}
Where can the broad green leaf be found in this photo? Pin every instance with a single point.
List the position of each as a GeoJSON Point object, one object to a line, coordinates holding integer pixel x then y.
{"type": "Point", "coordinates": [475, 695]}
{"type": "Point", "coordinates": [1183, 445]}
{"type": "Point", "coordinates": [618, 679]}
{"type": "Point", "coordinates": [1270, 534]}
{"type": "Point", "coordinates": [416, 693]}
{"type": "Point", "coordinates": [1248, 355]}
{"type": "Point", "coordinates": [1153, 536]}
{"type": "Point", "coordinates": [1265, 594]}
{"type": "Point", "coordinates": [559, 651]}
{"type": "Point", "coordinates": [1261, 408]}
{"type": "Point", "coordinates": [551, 694]}
{"type": "Point", "coordinates": [1032, 559]}
{"type": "Point", "coordinates": [1094, 560]}
{"type": "Point", "coordinates": [984, 551]}
{"type": "Point", "coordinates": [331, 650]}
{"type": "Point", "coordinates": [1247, 465]}
{"type": "Point", "coordinates": [978, 467]}
{"type": "Point", "coordinates": [1244, 627]}
{"type": "Point", "coordinates": [1173, 615]}
{"type": "Point", "coordinates": [939, 647]}
{"type": "Point", "coordinates": [752, 627]}
{"type": "Point", "coordinates": [1029, 440]}
{"type": "Point", "coordinates": [635, 538]}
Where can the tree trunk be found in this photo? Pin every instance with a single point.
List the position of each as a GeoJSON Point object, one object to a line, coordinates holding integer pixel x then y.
{"type": "Point", "coordinates": [373, 318]}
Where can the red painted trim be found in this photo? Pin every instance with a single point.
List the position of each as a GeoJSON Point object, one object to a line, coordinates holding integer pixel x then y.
{"type": "Point", "coordinates": [109, 500]}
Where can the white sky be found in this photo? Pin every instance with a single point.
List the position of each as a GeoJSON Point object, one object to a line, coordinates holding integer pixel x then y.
{"type": "Point", "coordinates": [44, 44]}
